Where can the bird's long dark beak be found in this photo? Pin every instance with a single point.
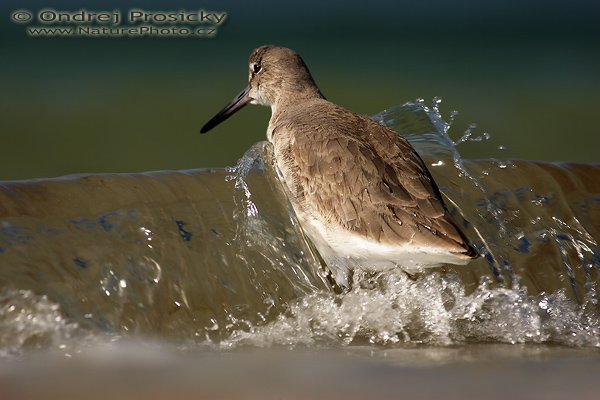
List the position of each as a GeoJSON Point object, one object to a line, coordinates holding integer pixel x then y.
{"type": "Point", "coordinates": [240, 101]}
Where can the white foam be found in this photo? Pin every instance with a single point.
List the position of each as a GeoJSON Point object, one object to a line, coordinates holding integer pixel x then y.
{"type": "Point", "coordinates": [390, 308]}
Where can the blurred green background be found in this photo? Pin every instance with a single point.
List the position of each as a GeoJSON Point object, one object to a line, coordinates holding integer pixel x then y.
{"type": "Point", "coordinates": [527, 72]}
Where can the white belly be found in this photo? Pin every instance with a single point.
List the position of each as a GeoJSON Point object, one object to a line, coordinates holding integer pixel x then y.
{"type": "Point", "coordinates": [343, 251]}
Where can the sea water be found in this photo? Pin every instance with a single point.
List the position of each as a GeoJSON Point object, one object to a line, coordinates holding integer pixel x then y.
{"type": "Point", "coordinates": [190, 270]}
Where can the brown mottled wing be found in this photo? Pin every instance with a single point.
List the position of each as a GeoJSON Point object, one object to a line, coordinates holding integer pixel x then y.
{"type": "Point", "coordinates": [366, 178]}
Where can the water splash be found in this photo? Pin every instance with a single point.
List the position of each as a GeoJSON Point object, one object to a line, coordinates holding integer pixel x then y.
{"type": "Point", "coordinates": [265, 241]}
{"type": "Point", "coordinates": [250, 161]}
{"type": "Point", "coordinates": [391, 308]}
{"type": "Point", "coordinates": [32, 322]}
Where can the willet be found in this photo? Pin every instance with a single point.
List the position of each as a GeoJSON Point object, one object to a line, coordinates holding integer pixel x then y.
{"type": "Point", "coordinates": [361, 192]}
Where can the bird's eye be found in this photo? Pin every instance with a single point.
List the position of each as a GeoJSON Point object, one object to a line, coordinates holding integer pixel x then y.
{"type": "Point", "coordinates": [256, 68]}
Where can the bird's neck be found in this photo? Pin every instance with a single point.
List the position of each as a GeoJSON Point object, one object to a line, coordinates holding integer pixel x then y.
{"type": "Point", "coordinates": [286, 107]}
{"type": "Point", "coordinates": [290, 101]}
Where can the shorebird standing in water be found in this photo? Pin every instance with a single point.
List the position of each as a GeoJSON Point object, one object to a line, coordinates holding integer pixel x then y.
{"type": "Point", "coordinates": [361, 192]}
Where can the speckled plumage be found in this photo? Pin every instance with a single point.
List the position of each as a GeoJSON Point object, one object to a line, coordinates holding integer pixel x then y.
{"type": "Point", "coordinates": [361, 192]}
